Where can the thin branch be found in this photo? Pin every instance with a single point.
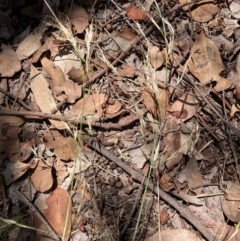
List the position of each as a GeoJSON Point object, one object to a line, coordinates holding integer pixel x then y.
{"type": "Point", "coordinates": [184, 212]}
{"type": "Point", "coordinates": [15, 98]}
{"type": "Point", "coordinates": [70, 118]}
{"type": "Point", "coordinates": [40, 216]}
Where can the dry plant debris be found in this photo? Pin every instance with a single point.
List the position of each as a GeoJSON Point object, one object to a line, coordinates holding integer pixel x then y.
{"type": "Point", "coordinates": [119, 120]}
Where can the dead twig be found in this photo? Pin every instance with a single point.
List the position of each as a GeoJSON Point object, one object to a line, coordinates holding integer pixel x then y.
{"type": "Point", "coordinates": [22, 81]}
{"type": "Point", "coordinates": [15, 98]}
{"type": "Point", "coordinates": [135, 205]}
{"type": "Point", "coordinates": [185, 213]}
{"type": "Point", "coordinates": [121, 55]}
{"type": "Point", "coordinates": [40, 216]}
{"type": "Point", "coordinates": [69, 118]}
{"type": "Point", "coordinates": [211, 105]}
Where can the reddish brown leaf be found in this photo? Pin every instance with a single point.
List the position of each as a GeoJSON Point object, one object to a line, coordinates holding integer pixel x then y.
{"type": "Point", "coordinates": [149, 102]}
{"type": "Point", "coordinates": [165, 184]}
{"type": "Point", "coordinates": [77, 75]}
{"type": "Point", "coordinates": [164, 216]}
{"type": "Point", "coordinates": [179, 114]}
{"type": "Point", "coordinates": [137, 14]}
{"type": "Point", "coordinates": [59, 212]}
{"type": "Point", "coordinates": [185, 107]}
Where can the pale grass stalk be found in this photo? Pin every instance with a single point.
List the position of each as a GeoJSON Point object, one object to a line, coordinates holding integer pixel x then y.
{"type": "Point", "coordinates": [153, 160]}
{"type": "Point", "coordinates": [67, 34]}
{"type": "Point", "coordinates": [70, 38]}
{"type": "Point", "coordinates": [209, 195]}
{"type": "Point", "coordinates": [237, 228]}
{"type": "Point", "coordinates": [184, 69]}
{"type": "Point", "coordinates": [12, 222]}
{"type": "Point", "coordinates": [88, 39]}
{"type": "Point", "coordinates": [152, 84]}
{"type": "Point", "coordinates": [106, 61]}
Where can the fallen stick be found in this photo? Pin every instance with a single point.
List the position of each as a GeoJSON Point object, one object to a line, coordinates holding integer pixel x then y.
{"type": "Point", "coordinates": [183, 211]}
{"type": "Point", "coordinates": [69, 118]}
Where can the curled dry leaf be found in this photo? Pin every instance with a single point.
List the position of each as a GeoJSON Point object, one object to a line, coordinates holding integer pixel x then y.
{"type": "Point", "coordinates": [156, 57]}
{"type": "Point", "coordinates": [148, 99]}
{"type": "Point", "coordinates": [77, 75]}
{"type": "Point", "coordinates": [165, 183]}
{"type": "Point", "coordinates": [201, 12]}
{"type": "Point", "coordinates": [234, 109]}
{"type": "Point", "coordinates": [42, 177]}
{"type": "Point", "coordinates": [206, 64]}
{"type": "Point", "coordinates": [89, 105]}
{"type": "Point", "coordinates": [185, 107]}
{"type": "Point", "coordinates": [67, 61]}
{"type": "Point", "coordinates": [58, 213]}
{"type": "Point", "coordinates": [48, 45]}
{"type": "Point", "coordinates": [127, 33]}
{"type": "Point", "coordinates": [15, 170]}
{"type": "Point", "coordinates": [8, 58]}
{"type": "Point", "coordinates": [112, 109]}
{"type": "Point", "coordinates": [62, 89]}
{"type": "Point", "coordinates": [78, 17]}
{"type": "Point", "coordinates": [55, 72]}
